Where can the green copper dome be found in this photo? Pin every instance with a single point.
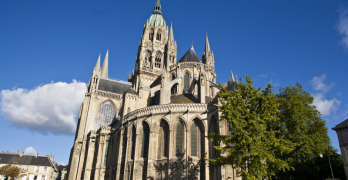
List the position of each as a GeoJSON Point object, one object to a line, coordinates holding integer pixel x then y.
{"type": "Point", "coordinates": [156, 18]}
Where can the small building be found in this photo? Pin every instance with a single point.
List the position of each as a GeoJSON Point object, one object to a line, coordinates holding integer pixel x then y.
{"type": "Point", "coordinates": [342, 134]}
{"type": "Point", "coordinates": [31, 167]}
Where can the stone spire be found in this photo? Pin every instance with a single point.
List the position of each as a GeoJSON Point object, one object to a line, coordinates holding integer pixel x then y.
{"type": "Point", "coordinates": [207, 46]}
{"type": "Point", "coordinates": [232, 78]}
{"type": "Point", "coordinates": [97, 66]}
{"type": "Point", "coordinates": [171, 35]}
{"type": "Point", "coordinates": [105, 66]}
{"type": "Point", "coordinates": [207, 54]}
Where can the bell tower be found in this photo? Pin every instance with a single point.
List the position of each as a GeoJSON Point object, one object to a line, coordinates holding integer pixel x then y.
{"type": "Point", "coordinates": [155, 49]}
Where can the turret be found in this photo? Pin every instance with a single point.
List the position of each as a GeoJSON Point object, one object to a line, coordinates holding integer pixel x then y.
{"type": "Point", "coordinates": [92, 85]}
{"type": "Point", "coordinates": [171, 49]}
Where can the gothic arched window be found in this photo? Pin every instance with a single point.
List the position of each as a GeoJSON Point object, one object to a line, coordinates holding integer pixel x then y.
{"type": "Point", "coordinates": [145, 141]}
{"type": "Point", "coordinates": [158, 60]}
{"type": "Point", "coordinates": [151, 35]}
{"type": "Point", "coordinates": [158, 37]}
{"type": "Point", "coordinates": [106, 114]}
{"type": "Point", "coordinates": [214, 128]}
{"type": "Point", "coordinates": [163, 138]}
{"type": "Point", "coordinates": [133, 142]}
{"type": "Point", "coordinates": [186, 82]}
{"type": "Point", "coordinates": [179, 139]}
{"type": "Point", "coordinates": [174, 89]}
{"type": "Point", "coordinates": [173, 76]}
{"type": "Point", "coordinates": [194, 139]}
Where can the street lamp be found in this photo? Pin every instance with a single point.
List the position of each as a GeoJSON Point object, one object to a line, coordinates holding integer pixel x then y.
{"type": "Point", "coordinates": [321, 155]}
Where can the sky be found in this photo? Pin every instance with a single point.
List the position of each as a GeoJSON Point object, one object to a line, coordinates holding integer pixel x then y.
{"type": "Point", "coordinates": [48, 50]}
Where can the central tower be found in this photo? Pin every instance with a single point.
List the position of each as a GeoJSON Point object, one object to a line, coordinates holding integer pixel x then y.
{"type": "Point", "coordinates": [157, 50]}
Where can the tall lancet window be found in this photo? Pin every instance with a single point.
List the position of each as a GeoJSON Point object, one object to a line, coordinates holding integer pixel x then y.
{"type": "Point", "coordinates": [179, 139]}
{"type": "Point", "coordinates": [106, 114]}
{"type": "Point", "coordinates": [145, 141]}
{"type": "Point", "coordinates": [158, 37]}
{"type": "Point", "coordinates": [133, 142]}
{"type": "Point", "coordinates": [186, 82]}
{"type": "Point", "coordinates": [163, 140]}
{"type": "Point", "coordinates": [158, 60]}
{"type": "Point", "coordinates": [194, 139]}
{"type": "Point", "coordinates": [151, 35]}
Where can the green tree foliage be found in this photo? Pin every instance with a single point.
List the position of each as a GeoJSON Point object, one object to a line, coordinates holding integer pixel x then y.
{"type": "Point", "coordinates": [9, 171]}
{"type": "Point", "coordinates": [270, 133]}
{"type": "Point", "coordinates": [316, 169]}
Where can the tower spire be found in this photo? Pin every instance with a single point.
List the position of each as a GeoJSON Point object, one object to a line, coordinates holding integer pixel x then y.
{"type": "Point", "coordinates": [207, 46]}
{"type": "Point", "coordinates": [232, 78]}
{"type": "Point", "coordinates": [171, 34]}
{"type": "Point", "coordinates": [105, 66]}
{"type": "Point", "coordinates": [97, 66]}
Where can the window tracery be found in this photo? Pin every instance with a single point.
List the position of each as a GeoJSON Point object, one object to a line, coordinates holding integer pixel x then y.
{"type": "Point", "coordinates": [106, 114]}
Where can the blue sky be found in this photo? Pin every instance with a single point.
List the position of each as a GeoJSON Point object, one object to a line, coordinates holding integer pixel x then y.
{"type": "Point", "coordinates": [48, 50]}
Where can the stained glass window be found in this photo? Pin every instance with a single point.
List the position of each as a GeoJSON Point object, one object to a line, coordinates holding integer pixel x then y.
{"type": "Point", "coordinates": [133, 142]}
{"type": "Point", "coordinates": [186, 83]}
{"type": "Point", "coordinates": [179, 138]}
{"type": "Point", "coordinates": [194, 141]}
{"type": "Point", "coordinates": [145, 143]}
{"type": "Point", "coordinates": [106, 114]}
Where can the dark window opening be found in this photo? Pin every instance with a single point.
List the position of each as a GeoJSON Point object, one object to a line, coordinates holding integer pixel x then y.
{"type": "Point", "coordinates": [145, 142]}
{"type": "Point", "coordinates": [179, 138]}
{"type": "Point", "coordinates": [133, 142]}
{"type": "Point", "coordinates": [186, 82]}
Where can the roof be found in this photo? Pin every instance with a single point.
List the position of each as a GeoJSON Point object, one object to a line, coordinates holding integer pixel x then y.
{"type": "Point", "coordinates": [157, 20]}
{"type": "Point", "coordinates": [341, 125]}
{"type": "Point", "coordinates": [187, 98]}
{"type": "Point", "coordinates": [24, 160]}
{"type": "Point", "coordinates": [61, 168]}
{"type": "Point", "coordinates": [190, 56]}
{"type": "Point", "coordinates": [114, 86]}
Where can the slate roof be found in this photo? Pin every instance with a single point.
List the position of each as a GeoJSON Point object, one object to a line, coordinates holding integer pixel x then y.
{"type": "Point", "coordinates": [114, 86]}
{"type": "Point", "coordinates": [24, 160]}
{"type": "Point", "coordinates": [187, 98]}
{"type": "Point", "coordinates": [341, 125]}
{"type": "Point", "coordinates": [190, 56]}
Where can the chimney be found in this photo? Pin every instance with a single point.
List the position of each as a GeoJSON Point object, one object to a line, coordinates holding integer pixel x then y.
{"type": "Point", "coordinates": [21, 153]}
{"type": "Point", "coordinates": [17, 152]}
{"type": "Point", "coordinates": [36, 155]}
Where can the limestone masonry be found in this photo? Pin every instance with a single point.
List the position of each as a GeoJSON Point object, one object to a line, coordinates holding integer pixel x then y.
{"type": "Point", "coordinates": [155, 125]}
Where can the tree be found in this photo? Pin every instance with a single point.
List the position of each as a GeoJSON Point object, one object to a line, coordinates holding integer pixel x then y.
{"type": "Point", "coordinates": [270, 133]}
{"type": "Point", "coordinates": [9, 171]}
{"type": "Point", "coordinates": [303, 125]}
{"type": "Point", "coordinates": [253, 145]}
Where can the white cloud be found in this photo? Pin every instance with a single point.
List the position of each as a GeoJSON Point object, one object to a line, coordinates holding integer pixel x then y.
{"type": "Point", "coordinates": [50, 108]}
{"type": "Point", "coordinates": [318, 83]}
{"type": "Point", "coordinates": [263, 75]}
{"type": "Point", "coordinates": [325, 106]}
{"type": "Point", "coordinates": [342, 26]}
{"type": "Point", "coordinates": [30, 151]}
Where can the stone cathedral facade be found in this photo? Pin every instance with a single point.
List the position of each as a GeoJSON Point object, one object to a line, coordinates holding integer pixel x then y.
{"type": "Point", "coordinates": [155, 125]}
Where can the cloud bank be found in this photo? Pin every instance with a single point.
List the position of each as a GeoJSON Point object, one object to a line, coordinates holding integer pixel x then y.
{"type": "Point", "coordinates": [325, 106]}
{"type": "Point", "coordinates": [30, 151]}
{"type": "Point", "coordinates": [50, 108]}
{"type": "Point", "coordinates": [342, 26]}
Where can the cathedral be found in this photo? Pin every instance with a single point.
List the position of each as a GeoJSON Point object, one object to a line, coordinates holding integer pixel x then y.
{"type": "Point", "coordinates": [153, 126]}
